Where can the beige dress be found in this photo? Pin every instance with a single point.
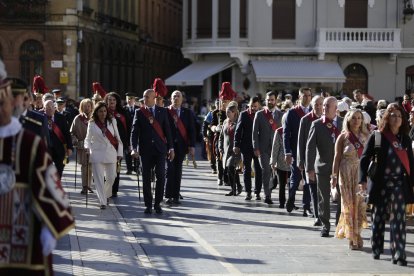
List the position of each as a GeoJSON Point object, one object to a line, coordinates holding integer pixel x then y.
{"type": "Point", "coordinates": [353, 216]}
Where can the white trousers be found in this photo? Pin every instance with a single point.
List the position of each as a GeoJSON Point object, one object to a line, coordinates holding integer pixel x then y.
{"type": "Point", "coordinates": [104, 187]}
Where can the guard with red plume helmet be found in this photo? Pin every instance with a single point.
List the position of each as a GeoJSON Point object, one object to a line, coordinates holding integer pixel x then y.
{"type": "Point", "coordinates": [159, 88]}
{"type": "Point", "coordinates": [98, 89]}
{"type": "Point", "coordinates": [227, 93]}
{"type": "Point", "coordinates": [39, 85]}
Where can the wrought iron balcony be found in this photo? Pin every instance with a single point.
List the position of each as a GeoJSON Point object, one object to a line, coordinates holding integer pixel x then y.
{"type": "Point", "coordinates": [354, 40]}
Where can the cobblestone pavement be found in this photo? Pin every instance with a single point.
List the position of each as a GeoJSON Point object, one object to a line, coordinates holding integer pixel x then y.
{"type": "Point", "coordinates": [208, 234]}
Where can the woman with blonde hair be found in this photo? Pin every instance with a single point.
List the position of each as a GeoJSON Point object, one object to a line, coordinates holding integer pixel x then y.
{"type": "Point", "coordinates": [105, 149]}
{"type": "Point", "coordinates": [78, 131]}
{"type": "Point", "coordinates": [226, 141]}
{"type": "Point", "coordinates": [348, 150]}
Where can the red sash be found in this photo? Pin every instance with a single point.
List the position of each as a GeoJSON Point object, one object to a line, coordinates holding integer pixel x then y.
{"type": "Point", "coordinates": [331, 127]}
{"type": "Point", "coordinates": [401, 153]}
{"type": "Point", "coordinates": [356, 143]}
{"type": "Point", "coordinates": [154, 123]}
{"type": "Point", "coordinates": [268, 114]}
{"type": "Point", "coordinates": [120, 117]}
{"type": "Point", "coordinates": [299, 111]}
{"type": "Point", "coordinates": [251, 113]}
{"type": "Point", "coordinates": [56, 130]}
{"type": "Point", "coordinates": [280, 131]}
{"type": "Point", "coordinates": [312, 117]}
{"type": "Point", "coordinates": [178, 123]}
{"type": "Point", "coordinates": [108, 134]}
{"type": "Point", "coordinates": [84, 119]}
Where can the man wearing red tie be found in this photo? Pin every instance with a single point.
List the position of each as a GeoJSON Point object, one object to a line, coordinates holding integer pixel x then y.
{"type": "Point", "coordinates": [181, 121]}
{"type": "Point", "coordinates": [151, 139]}
{"type": "Point", "coordinates": [265, 123]}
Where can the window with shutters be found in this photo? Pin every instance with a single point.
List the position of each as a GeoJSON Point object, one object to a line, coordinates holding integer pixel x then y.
{"type": "Point", "coordinates": [356, 13]}
{"type": "Point", "coordinates": [284, 19]}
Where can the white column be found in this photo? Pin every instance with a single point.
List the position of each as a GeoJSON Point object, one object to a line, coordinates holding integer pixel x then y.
{"type": "Point", "coordinates": [235, 22]}
{"type": "Point", "coordinates": [214, 25]}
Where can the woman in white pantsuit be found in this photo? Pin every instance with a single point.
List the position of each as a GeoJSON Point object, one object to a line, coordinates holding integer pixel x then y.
{"type": "Point", "coordinates": [105, 149]}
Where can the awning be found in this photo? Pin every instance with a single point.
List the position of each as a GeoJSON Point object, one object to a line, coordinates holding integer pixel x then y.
{"type": "Point", "coordinates": [196, 73]}
{"type": "Point", "coordinates": [297, 71]}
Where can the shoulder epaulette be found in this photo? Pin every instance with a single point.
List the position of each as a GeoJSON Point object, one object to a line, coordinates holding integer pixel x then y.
{"type": "Point", "coordinates": [32, 120]}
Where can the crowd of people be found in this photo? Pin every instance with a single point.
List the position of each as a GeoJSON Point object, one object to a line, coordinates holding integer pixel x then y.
{"type": "Point", "coordinates": [327, 144]}
{"type": "Point", "coordinates": [319, 144]}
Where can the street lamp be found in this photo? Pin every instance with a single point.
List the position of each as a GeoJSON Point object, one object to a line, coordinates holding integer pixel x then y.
{"type": "Point", "coordinates": [408, 11]}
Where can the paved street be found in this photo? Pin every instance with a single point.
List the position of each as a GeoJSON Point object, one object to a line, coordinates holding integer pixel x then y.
{"type": "Point", "coordinates": [208, 234]}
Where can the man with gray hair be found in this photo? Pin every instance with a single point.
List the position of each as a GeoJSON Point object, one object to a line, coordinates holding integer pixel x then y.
{"type": "Point", "coordinates": [320, 151]}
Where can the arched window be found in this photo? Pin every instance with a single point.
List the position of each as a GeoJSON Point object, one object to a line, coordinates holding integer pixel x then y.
{"type": "Point", "coordinates": [31, 60]}
{"type": "Point", "coordinates": [356, 13]}
{"type": "Point", "coordinates": [409, 78]}
{"type": "Point", "coordinates": [356, 78]}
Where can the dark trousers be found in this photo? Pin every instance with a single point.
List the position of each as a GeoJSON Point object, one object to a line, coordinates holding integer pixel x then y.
{"type": "Point", "coordinates": [247, 173]}
{"type": "Point", "coordinates": [115, 186]}
{"type": "Point", "coordinates": [282, 177]}
{"type": "Point", "coordinates": [128, 161]}
{"type": "Point", "coordinates": [233, 178]}
{"type": "Point", "coordinates": [295, 177]}
{"type": "Point", "coordinates": [324, 200]}
{"type": "Point", "coordinates": [149, 161]}
{"type": "Point", "coordinates": [392, 207]}
{"type": "Point", "coordinates": [174, 175]}
{"type": "Point", "coordinates": [313, 187]}
{"type": "Point", "coordinates": [58, 160]}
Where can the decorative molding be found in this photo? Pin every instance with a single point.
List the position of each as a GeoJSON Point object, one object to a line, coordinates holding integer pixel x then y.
{"type": "Point", "coordinates": [298, 3]}
{"type": "Point", "coordinates": [269, 3]}
{"type": "Point", "coordinates": [371, 3]}
{"type": "Point", "coordinates": [341, 3]}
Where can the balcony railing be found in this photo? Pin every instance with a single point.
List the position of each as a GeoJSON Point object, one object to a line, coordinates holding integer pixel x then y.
{"type": "Point", "coordinates": [21, 11]}
{"type": "Point", "coordinates": [353, 40]}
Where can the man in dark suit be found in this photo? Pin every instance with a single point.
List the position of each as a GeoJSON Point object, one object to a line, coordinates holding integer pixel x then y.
{"type": "Point", "coordinates": [151, 139]}
{"type": "Point", "coordinates": [290, 142]}
{"type": "Point", "coordinates": [183, 135]}
{"type": "Point", "coordinates": [320, 151]}
{"type": "Point", "coordinates": [61, 108]}
{"type": "Point", "coordinates": [265, 123]}
{"type": "Point", "coordinates": [129, 108]}
{"type": "Point", "coordinates": [60, 146]}
{"type": "Point", "coordinates": [243, 144]}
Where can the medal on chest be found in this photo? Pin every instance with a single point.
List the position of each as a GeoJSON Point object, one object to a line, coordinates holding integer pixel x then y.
{"type": "Point", "coordinates": [151, 120]}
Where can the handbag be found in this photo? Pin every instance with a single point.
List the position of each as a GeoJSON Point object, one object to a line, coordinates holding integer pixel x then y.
{"type": "Point", "coordinates": [372, 168]}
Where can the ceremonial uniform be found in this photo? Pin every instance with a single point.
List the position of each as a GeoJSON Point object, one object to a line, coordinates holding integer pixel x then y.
{"type": "Point", "coordinates": [34, 205]}
{"type": "Point", "coordinates": [129, 113]}
{"type": "Point", "coordinates": [218, 118]}
{"type": "Point", "coordinates": [36, 122]}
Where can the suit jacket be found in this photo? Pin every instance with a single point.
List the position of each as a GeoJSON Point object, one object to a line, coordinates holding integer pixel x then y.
{"type": "Point", "coordinates": [304, 127]}
{"type": "Point", "coordinates": [56, 144]}
{"type": "Point", "coordinates": [130, 113]}
{"type": "Point", "coordinates": [320, 148]}
{"type": "Point", "coordinates": [124, 133]}
{"type": "Point", "coordinates": [243, 133]}
{"type": "Point", "coordinates": [278, 153]}
{"type": "Point", "coordinates": [187, 117]}
{"type": "Point", "coordinates": [376, 184]}
{"type": "Point", "coordinates": [226, 144]}
{"type": "Point", "coordinates": [100, 148]}
{"type": "Point", "coordinates": [291, 130]}
{"type": "Point", "coordinates": [37, 123]}
{"type": "Point", "coordinates": [262, 135]}
{"type": "Point", "coordinates": [144, 135]}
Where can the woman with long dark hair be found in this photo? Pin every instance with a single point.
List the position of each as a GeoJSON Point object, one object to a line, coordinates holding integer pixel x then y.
{"type": "Point", "coordinates": [391, 187]}
{"type": "Point", "coordinates": [113, 101]}
{"type": "Point", "coordinates": [105, 149]}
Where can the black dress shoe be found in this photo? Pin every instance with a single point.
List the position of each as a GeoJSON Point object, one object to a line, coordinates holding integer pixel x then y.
{"type": "Point", "coordinates": [248, 196]}
{"type": "Point", "coordinates": [305, 213]}
{"type": "Point", "coordinates": [220, 182]}
{"type": "Point", "coordinates": [169, 201]}
{"type": "Point", "coordinates": [258, 197]}
{"type": "Point", "coordinates": [239, 189]}
{"type": "Point", "coordinates": [317, 222]}
{"type": "Point", "coordinates": [295, 207]}
{"type": "Point", "coordinates": [375, 257]}
{"type": "Point", "coordinates": [181, 197]}
{"type": "Point", "coordinates": [230, 194]}
{"type": "Point", "coordinates": [90, 190]}
{"type": "Point", "coordinates": [282, 206]}
{"type": "Point", "coordinates": [129, 172]}
{"type": "Point", "coordinates": [103, 207]}
{"type": "Point", "coordinates": [176, 201]}
{"type": "Point", "coordinates": [114, 195]}
{"type": "Point", "coordinates": [158, 209]}
{"type": "Point", "coordinates": [324, 233]}
{"type": "Point", "coordinates": [148, 210]}
{"type": "Point", "coordinates": [402, 262]}
{"type": "Point", "coordinates": [289, 206]}
{"type": "Point", "coordinates": [268, 200]}
{"type": "Point", "coordinates": [84, 191]}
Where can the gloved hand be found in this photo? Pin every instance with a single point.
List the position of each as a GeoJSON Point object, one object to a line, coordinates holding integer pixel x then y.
{"type": "Point", "coordinates": [47, 240]}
